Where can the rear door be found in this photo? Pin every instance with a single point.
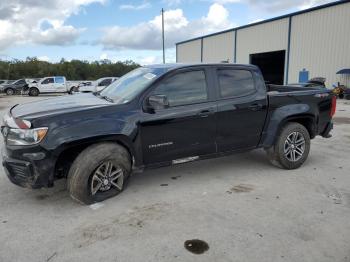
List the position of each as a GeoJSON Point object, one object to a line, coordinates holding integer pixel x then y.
{"type": "Point", "coordinates": [60, 84]}
{"type": "Point", "coordinates": [187, 128]}
{"type": "Point", "coordinates": [242, 108]}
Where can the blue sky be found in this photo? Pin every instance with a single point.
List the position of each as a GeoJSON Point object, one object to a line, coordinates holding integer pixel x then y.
{"type": "Point", "coordinates": [122, 30]}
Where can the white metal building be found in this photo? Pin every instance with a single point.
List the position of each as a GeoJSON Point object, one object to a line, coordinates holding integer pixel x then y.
{"type": "Point", "coordinates": [288, 49]}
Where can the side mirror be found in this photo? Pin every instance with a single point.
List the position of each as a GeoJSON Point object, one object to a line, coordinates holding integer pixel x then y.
{"type": "Point", "coordinates": [158, 102]}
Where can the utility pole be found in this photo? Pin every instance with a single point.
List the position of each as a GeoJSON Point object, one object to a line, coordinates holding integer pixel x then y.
{"type": "Point", "coordinates": [163, 36]}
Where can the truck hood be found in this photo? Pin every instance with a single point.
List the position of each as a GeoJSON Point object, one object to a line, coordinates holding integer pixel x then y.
{"type": "Point", "coordinates": [58, 105]}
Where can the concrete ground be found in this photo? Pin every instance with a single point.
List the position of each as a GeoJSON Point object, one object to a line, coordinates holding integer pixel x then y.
{"type": "Point", "coordinates": [241, 206]}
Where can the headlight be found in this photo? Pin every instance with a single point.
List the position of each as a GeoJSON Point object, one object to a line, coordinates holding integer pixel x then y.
{"type": "Point", "coordinates": [24, 137]}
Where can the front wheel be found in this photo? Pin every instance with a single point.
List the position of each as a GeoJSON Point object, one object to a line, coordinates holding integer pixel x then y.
{"type": "Point", "coordinates": [10, 92]}
{"type": "Point", "coordinates": [291, 148]}
{"type": "Point", "coordinates": [33, 92]}
{"type": "Point", "coordinates": [101, 171]}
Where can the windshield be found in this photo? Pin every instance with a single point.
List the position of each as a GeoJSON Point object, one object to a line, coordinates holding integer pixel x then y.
{"type": "Point", "coordinates": [130, 85]}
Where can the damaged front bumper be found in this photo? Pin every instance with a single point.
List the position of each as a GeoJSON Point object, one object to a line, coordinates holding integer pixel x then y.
{"type": "Point", "coordinates": [32, 169]}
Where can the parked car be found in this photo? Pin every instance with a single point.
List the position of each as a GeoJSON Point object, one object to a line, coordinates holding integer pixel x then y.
{"type": "Point", "coordinates": [97, 85]}
{"type": "Point", "coordinates": [15, 87]}
{"type": "Point", "coordinates": [160, 115]}
{"type": "Point", "coordinates": [2, 82]}
{"type": "Point", "coordinates": [52, 84]}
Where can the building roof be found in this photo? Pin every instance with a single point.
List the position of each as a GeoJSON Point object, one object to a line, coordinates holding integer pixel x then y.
{"type": "Point", "coordinates": [270, 20]}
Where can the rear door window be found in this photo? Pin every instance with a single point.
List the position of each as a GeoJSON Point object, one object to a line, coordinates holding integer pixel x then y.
{"type": "Point", "coordinates": [59, 80]}
{"type": "Point", "coordinates": [235, 82]}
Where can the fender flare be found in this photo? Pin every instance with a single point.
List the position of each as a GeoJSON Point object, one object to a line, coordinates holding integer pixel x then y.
{"type": "Point", "coordinates": [300, 113]}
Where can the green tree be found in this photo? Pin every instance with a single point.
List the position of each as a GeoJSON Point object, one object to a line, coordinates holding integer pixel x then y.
{"type": "Point", "coordinates": [31, 67]}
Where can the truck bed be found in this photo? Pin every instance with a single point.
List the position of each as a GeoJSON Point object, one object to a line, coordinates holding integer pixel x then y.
{"type": "Point", "coordinates": [283, 89]}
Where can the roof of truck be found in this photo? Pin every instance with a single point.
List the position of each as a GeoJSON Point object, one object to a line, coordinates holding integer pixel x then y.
{"type": "Point", "coordinates": [184, 65]}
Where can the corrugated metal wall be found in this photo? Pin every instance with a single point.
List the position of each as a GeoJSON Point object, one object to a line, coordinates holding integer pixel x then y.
{"type": "Point", "coordinates": [189, 52]}
{"type": "Point", "coordinates": [320, 43]}
{"type": "Point", "coordinates": [261, 38]}
{"type": "Point", "coordinates": [219, 48]}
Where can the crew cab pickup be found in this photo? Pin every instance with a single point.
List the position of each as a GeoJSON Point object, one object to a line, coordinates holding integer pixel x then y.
{"type": "Point", "coordinates": [160, 115]}
{"type": "Point", "coordinates": [52, 84]}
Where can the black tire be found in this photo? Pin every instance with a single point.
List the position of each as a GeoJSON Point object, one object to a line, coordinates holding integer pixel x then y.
{"type": "Point", "coordinates": [278, 154]}
{"type": "Point", "coordinates": [10, 91]}
{"type": "Point", "coordinates": [84, 168]}
{"type": "Point", "coordinates": [33, 91]}
{"type": "Point", "coordinates": [72, 89]}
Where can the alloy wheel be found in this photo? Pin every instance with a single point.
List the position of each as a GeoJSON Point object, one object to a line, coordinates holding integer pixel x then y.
{"type": "Point", "coordinates": [294, 146]}
{"type": "Point", "coordinates": [107, 176]}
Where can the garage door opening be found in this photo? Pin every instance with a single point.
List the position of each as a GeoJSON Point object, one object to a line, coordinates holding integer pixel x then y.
{"type": "Point", "coordinates": [271, 65]}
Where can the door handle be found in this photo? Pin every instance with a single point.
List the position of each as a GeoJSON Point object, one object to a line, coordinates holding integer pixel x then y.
{"type": "Point", "coordinates": [255, 107]}
{"type": "Point", "coordinates": [205, 113]}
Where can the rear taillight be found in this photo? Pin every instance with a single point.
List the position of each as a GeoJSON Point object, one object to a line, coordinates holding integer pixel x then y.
{"type": "Point", "coordinates": [334, 106]}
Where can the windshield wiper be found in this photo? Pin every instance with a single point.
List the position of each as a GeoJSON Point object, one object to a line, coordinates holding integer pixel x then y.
{"type": "Point", "coordinates": [107, 99]}
{"type": "Point", "coordinates": [103, 97]}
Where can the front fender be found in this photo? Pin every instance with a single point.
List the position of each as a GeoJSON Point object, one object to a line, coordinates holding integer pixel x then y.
{"type": "Point", "coordinates": [68, 129]}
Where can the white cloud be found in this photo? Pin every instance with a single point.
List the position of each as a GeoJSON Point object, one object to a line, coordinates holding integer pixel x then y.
{"type": "Point", "coordinates": [282, 5]}
{"type": "Point", "coordinates": [21, 20]}
{"type": "Point", "coordinates": [44, 58]}
{"type": "Point", "coordinates": [141, 6]}
{"type": "Point", "coordinates": [148, 60]}
{"type": "Point", "coordinates": [256, 21]}
{"type": "Point", "coordinates": [172, 2]}
{"type": "Point", "coordinates": [311, 3]}
{"type": "Point", "coordinates": [147, 35]}
{"type": "Point", "coordinates": [62, 35]}
{"type": "Point", "coordinates": [264, 5]}
{"type": "Point", "coordinates": [103, 56]}
{"type": "Point", "coordinates": [223, 2]}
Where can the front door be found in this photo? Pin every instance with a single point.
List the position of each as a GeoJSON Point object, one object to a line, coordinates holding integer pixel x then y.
{"type": "Point", "coordinates": [47, 85]}
{"type": "Point", "coordinates": [187, 128]}
{"type": "Point", "coordinates": [242, 108]}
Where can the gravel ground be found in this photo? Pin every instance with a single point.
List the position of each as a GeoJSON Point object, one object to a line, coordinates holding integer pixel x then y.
{"type": "Point", "coordinates": [241, 206]}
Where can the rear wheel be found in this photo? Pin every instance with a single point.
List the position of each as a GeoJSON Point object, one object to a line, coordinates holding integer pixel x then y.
{"type": "Point", "coordinates": [292, 147]}
{"type": "Point", "coordinates": [101, 171]}
{"type": "Point", "coordinates": [33, 91]}
{"type": "Point", "coordinates": [10, 91]}
{"type": "Point", "coordinates": [72, 90]}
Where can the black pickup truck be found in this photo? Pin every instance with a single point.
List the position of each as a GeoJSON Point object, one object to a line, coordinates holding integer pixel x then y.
{"type": "Point", "coordinates": [160, 115]}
